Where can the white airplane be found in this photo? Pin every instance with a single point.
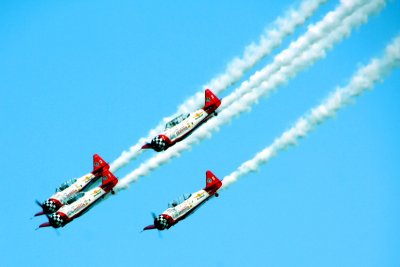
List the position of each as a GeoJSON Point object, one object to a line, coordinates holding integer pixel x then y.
{"type": "Point", "coordinates": [82, 203]}
{"type": "Point", "coordinates": [183, 125]}
{"type": "Point", "coordinates": [186, 205]}
{"type": "Point", "coordinates": [66, 193]}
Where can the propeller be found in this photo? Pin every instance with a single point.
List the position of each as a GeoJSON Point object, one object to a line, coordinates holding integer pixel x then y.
{"type": "Point", "coordinates": [38, 203]}
{"type": "Point", "coordinates": [46, 224]}
{"type": "Point", "coordinates": [41, 206]}
{"type": "Point", "coordinates": [151, 227]}
{"type": "Point", "coordinates": [155, 218]}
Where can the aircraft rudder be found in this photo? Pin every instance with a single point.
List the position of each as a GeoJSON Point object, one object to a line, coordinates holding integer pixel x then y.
{"type": "Point", "coordinates": [99, 163]}
{"type": "Point", "coordinates": [212, 182]}
{"type": "Point", "coordinates": [211, 101]}
{"type": "Point", "coordinates": [108, 180]}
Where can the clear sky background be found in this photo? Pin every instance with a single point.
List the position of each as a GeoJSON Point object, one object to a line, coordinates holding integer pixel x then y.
{"type": "Point", "coordinates": [85, 77]}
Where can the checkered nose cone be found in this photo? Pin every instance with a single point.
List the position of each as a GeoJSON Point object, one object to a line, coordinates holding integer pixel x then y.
{"type": "Point", "coordinates": [56, 220]}
{"type": "Point", "coordinates": [158, 144]}
{"type": "Point", "coordinates": [161, 223]}
{"type": "Point", "coordinates": [49, 207]}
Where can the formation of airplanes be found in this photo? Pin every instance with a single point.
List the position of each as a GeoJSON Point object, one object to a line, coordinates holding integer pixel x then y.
{"type": "Point", "coordinates": [77, 196]}
{"type": "Point", "coordinates": [67, 192]}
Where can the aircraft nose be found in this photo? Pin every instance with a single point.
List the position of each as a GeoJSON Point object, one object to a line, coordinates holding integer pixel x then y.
{"type": "Point", "coordinates": [55, 220]}
{"type": "Point", "coordinates": [158, 144]}
{"type": "Point", "coordinates": [161, 222]}
{"type": "Point", "coordinates": [49, 207]}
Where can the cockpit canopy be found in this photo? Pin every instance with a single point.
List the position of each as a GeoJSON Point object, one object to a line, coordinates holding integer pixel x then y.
{"type": "Point", "coordinates": [176, 121]}
{"type": "Point", "coordinates": [65, 185]}
{"type": "Point", "coordinates": [179, 200]}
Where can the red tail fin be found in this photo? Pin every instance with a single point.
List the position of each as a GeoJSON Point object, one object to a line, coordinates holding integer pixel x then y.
{"type": "Point", "coordinates": [212, 183]}
{"type": "Point", "coordinates": [99, 164]}
{"type": "Point", "coordinates": [108, 180]}
{"type": "Point", "coordinates": [212, 102]}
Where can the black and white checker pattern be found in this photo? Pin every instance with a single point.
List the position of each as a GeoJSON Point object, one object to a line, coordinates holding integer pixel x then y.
{"type": "Point", "coordinates": [158, 143]}
{"type": "Point", "coordinates": [162, 222]}
{"type": "Point", "coordinates": [56, 219]}
{"type": "Point", "coordinates": [49, 206]}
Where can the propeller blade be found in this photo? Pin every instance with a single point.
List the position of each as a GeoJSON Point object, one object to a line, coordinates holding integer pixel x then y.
{"type": "Point", "coordinates": [41, 206]}
{"type": "Point", "coordinates": [154, 215]}
{"type": "Point", "coordinates": [147, 146]}
{"type": "Point", "coordinates": [57, 232]}
{"type": "Point", "coordinates": [38, 203]}
{"type": "Point", "coordinates": [46, 224]}
{"type": "Point", "coordinates": [150, 227]}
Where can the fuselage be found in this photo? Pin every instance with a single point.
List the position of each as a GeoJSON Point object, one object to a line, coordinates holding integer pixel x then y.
{"type": "Point", "coordinates": [176, 132]}
{"type": "Point", "coordinates": [183, 125]}
{"type": "Point", "coordinates": [181, 130]}
{"type": "Point", "coordinates": [175, 214]}
{"type": "Point", "coordinates": [186, 205]}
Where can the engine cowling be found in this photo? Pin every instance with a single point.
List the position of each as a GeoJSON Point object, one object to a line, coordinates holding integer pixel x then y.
{"type": "Point", "coordinates": [51, 206]}
{"type": "Point", "coordinates": [56, 220]}
{"type": "Point", "coordinates": [159, 143]}
{"type": "Point", "coordinates": [162, 222]}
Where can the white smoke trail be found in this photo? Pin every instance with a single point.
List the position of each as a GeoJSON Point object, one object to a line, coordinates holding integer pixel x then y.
{"type": "Point", "coordinates": [281, 76]}
{"type": "Point", "coordinates": [315, 33]}
{"type": "Point", "coordinates": [269, 40]}
{"type": "Point", "coordinates": [364, 79]}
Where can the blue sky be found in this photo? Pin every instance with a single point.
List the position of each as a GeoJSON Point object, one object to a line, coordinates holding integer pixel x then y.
{"type": "Point", "coordinates": [79, 78]}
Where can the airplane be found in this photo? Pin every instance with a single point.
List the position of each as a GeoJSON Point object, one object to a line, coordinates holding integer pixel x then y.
{"type": "Point", "coordinates": [186, 205]}
{"type": "Point", "coordinates": [183, 125]}
{"type": "Point", "coordinates": [84, 201]}
{"type": "Point", "coordinates": [66, 192]}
